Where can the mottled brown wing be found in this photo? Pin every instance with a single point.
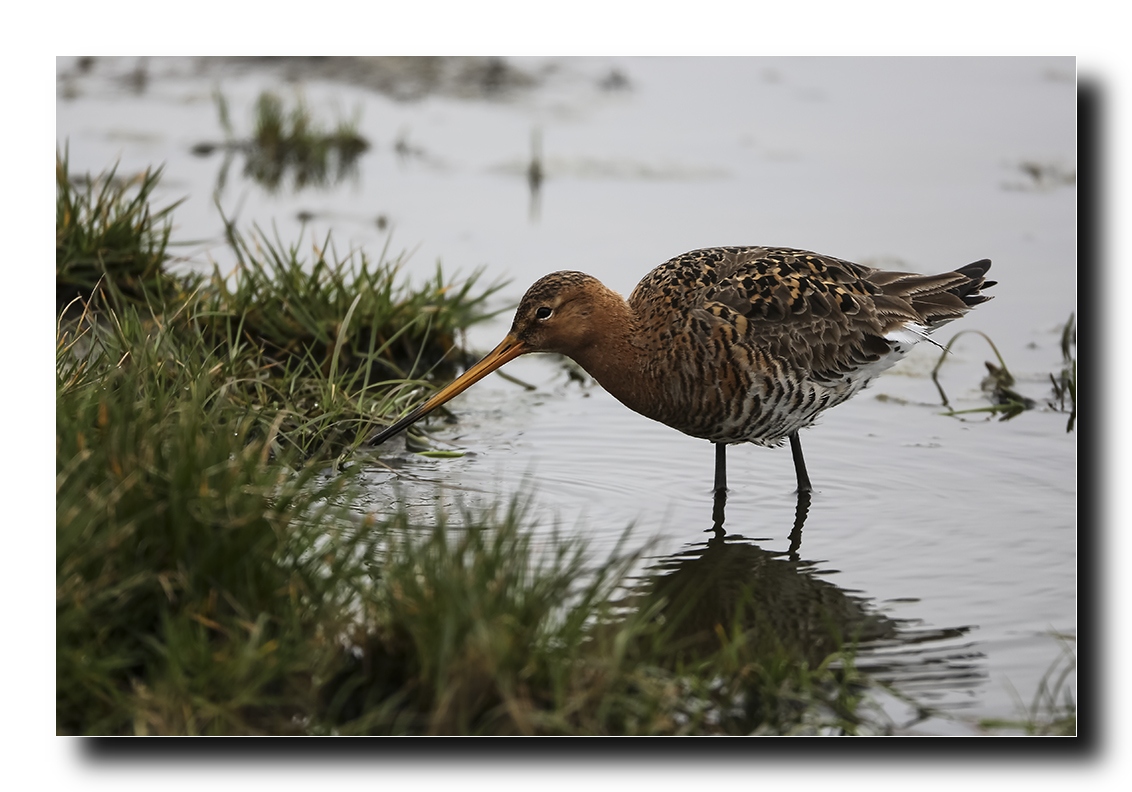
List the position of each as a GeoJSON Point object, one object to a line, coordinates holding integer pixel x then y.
{"type": "Point", "coordinates": [815, 313]}
{"type": "Point", "coordinates": [823, 316]}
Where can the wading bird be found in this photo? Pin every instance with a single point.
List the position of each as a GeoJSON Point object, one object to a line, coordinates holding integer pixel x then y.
{"type": "Point", "coordinates": [732, 344]}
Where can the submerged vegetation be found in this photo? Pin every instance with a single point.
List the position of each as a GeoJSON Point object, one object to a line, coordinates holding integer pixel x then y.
{"type": "Point", "coordinates": [999, 384]}
{"type": "Point", "coordinates": [288, 141]}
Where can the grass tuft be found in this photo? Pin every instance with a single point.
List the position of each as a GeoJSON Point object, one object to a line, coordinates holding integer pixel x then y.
{"type": "Point", "coordinates": [331, 347]}
{"type": "Point", "coordinates": [189, 598]}
{"type": "Point", "coordinates": [1053, 710]}
{"type": "Point", "coordinates": [316, 352]}
{"type": "Point", "coordinates": [347, 313]}
{"type": "Point", "coordinates": [107, 234]}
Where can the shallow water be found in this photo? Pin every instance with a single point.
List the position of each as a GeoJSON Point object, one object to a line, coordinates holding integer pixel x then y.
{"type": "Point", "coordinates": [916, 163]}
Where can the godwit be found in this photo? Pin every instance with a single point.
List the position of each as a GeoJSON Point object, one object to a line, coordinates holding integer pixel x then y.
{"type": "Point", "coordinates": [732, 344]}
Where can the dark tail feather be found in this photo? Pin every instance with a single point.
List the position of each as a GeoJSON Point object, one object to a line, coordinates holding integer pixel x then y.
{"type": "Point", "coordinates": [970, 292]}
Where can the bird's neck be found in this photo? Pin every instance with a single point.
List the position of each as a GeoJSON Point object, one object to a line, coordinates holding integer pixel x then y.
{"type": "Point", "coordinates": [616, 356]}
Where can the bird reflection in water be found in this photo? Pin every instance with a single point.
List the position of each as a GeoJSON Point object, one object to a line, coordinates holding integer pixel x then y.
{"type": "Point", "coordinates": [801, 511]}
{"type": "Point", "coordinates": [728, 593]}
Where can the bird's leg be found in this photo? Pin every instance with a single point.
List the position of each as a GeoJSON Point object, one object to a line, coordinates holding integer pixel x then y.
{"type": "Point", "coordinates": [799, 464]}
{"type": "Point", "coordinates": [720, 489]}
{"type": "Point", "coordinates": [720, 468]}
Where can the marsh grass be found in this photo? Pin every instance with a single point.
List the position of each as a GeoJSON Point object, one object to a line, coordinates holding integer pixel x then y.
{"type": "Point", "coordinates": [210, 580]}
{"type": "Point", "coordinates": [314, 350]}
{"type": "Point", "coordinates": [204, 589]}
{"type": "Point", "coordinates": [187, 596]}
{"type": "Point", "coordinates": [1053, 709]}
{"type": "Point", "coordinates": [288, 141]}
{"type": "Point", "coordinates": [107, 233]}
{"type": "Point", "coordinates": [343, 313]}
{"type": "Point", "coordinates": [473, 630]}
{"type": "Point", "coordinates": [337, 344]}
{"type": "Point", "coordinates": [211, 577]}
{"type": "Point", "coordinates": [206, 562]}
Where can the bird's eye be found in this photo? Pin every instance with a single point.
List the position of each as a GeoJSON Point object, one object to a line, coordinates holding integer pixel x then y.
{"type": "Point", "coordinates": [543, 313]}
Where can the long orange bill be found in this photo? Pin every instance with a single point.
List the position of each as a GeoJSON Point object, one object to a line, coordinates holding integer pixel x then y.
{"type": "Point", "coordinates": [509, 349]}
